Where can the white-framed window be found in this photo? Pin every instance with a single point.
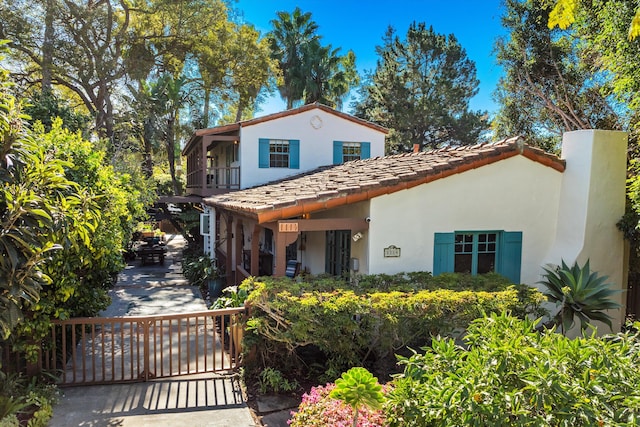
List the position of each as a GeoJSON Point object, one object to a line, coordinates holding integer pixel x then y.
{"type": "Point", "coordinates": [344, 151]}
{"type": "Point", "coordinates": [278, 153]}
{"type": "Point", "coordinates": [205, 224]}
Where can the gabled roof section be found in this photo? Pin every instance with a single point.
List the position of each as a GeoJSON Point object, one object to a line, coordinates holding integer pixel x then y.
{"type": "Point", "coordinates": [235, 126]}
{"type": "Point", "coordinates": [332, 186]}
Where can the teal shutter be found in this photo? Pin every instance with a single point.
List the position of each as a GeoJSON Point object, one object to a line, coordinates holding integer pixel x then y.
{"type": "Point", "coordinates": [337, 153]}
{"type": "Point", "coordinates": [365, 150]}
{"type": "Point", "coordinates": [443, 256]}
{"type": "Point", "coordinates": [294, 154]}
{"type": "Point", "coordinates": [511, 255]}
{"type": "Point", "coordinates": [263, 153]}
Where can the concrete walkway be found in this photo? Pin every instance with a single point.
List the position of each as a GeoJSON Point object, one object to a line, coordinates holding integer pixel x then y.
{"type": "Point", "coordinates": [189, 401]}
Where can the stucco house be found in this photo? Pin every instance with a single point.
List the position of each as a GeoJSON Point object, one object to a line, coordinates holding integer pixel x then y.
{"type": "Point", "coordinates": [252, 152]}
{"type": "Point", "coordinates": [505, 207]}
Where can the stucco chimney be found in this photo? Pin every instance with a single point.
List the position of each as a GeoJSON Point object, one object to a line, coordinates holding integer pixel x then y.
{"type": "Point", "coordinates": [592, 201]}
{"type": "Point", "coordinates": [416, 148]}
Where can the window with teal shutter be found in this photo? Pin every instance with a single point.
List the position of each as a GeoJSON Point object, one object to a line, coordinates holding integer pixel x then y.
{"type": "Point", "coordinates": [279, 153]}
{"type": "Point", "coordinates": [337, 152]}
{"type": "Point", "coordinates": [348, 151]}
{"type": "Point", "coordinates": [365, 150]}
{"type": "Point", "coordinates": [294, 154]}
{"type": "Point", "coordinates": [443, 253]}
{"type": "Point", "coordinates": [263, 153]}
{"type": "Point", "coordinates": [478, 252]}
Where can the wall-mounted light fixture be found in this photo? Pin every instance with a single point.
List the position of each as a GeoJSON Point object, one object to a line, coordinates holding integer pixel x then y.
{"type": "Point", "coordinates": [357, 237]}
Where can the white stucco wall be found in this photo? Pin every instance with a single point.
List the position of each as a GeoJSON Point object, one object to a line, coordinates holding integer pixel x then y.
{"type": "Point", "coordinates": [516, 194]}
{"type": "Point", "coordinates": [316, 145]}
{"type": "Point", "coordinates": [313, 257]}
{"type": "Point", "coordinates": [592, 202]}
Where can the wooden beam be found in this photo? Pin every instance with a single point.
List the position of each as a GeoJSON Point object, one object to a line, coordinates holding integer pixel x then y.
{"type": "Point", "coordinates": [255, 250]}
{"type": "Point", "coordinates": [223, 138]}
{"type": "Point", "coordinates": [229, 264]}
{"type": "Point", "coordinates": [239, 241]}
{"type": "Point", "coordinates": [282, 241]}
{"type": "Point", "coordinates": [353, 224]}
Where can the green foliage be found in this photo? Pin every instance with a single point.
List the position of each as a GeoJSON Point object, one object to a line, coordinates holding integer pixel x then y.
{"type": "Point", "coordinates": [310, 72]}
{"type": "Point", "coordinates": [27, 177]}
{"type": "Point", "coordinates": [353, 328]}
{"type": "Point", "coordinates": [46, 107]}
{"type": "Point", "coordinates": [508, 374]}
{"type": "Point", "coordinates": [577, 292]}
{"type": "Point", "coordinates": [19, 395]}
{"type": "Point", "coordinates": [272, 381]}
{"type": "Point", "coordinates": [551, 84]}
{"type": "Point", "coordinates": [421, 89]}
{"type": "Point", "coordinates": [199, 269]}
{"type": "Point", "coordinates": [357, 388]}
{"type": "Point", "coordinates": [232, 296]}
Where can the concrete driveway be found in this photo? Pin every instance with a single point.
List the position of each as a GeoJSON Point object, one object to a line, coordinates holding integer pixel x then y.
{"type": "Point", "coordinates": [189, 401]}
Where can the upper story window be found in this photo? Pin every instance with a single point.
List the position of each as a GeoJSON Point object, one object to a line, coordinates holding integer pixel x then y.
{"type": "Point", "coordinates": [279, 153]}
{"type": "Point", "coordinates": [348, 151]}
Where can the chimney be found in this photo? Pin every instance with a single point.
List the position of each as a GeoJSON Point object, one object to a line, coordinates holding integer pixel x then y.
{"type": "Point", "coordinates": [592, 201]}
{"type": "Point", "coordinates": [416, 148]}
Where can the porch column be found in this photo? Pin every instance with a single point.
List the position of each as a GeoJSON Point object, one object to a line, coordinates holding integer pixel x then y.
{"type": "Point", "coordinates": [229, 263]}
{"type": "Point", "coordinates": [203, 164]}
{"type": "Point", "coordinates": [255, 251]}
{"type": "Point", "coordinates": [283, 239]}
{"type": "Point", "coordinates": [239, 241]}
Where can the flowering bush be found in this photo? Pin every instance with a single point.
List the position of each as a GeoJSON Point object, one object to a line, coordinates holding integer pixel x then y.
{"type": "Point", "coordinates": [318, 409]}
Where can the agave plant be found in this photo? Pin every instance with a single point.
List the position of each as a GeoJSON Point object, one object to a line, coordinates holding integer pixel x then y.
{"type": "Point", "coordinates": [358, 387]}
{"type": "Point", "coordinates": [579, 293]}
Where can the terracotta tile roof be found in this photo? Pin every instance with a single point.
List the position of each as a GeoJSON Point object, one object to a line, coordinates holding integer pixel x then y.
{"type": "Point", "coordinates": [234, 127]}
{"type": "Point", "coordinates": [332, 186]}
{"type": "Point", "coordinates": [291, 112]}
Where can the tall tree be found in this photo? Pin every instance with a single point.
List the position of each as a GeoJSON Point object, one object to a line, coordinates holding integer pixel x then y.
{"type": "Point", "coordinates": [421, 89]}
{"type": "Point", "coordinates": [328, 76]}
{"type": "Point", "coordinates": [90, 40]}
{"type": "Point", "coordinates": [291, 33]}
{"type": "Point", "coordinates": [550, 85]}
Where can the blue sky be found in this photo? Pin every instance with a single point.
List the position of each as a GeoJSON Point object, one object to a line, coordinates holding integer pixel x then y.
{"type": "Point", "coordinates": [360, 26]}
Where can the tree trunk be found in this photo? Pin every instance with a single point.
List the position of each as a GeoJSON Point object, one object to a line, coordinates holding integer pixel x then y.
{"type": "Point", "coordinates": [205, 113]}
{"type": "Point", "coordinates": [170, 142]}
{"type": "Point", "coordinates": [147, 135]}
{"type": "Point", "coordinates": [47, 49]}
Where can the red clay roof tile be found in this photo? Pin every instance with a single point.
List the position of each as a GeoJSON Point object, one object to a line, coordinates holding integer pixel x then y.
{"type": "Point", "coordinates": [364, 179]}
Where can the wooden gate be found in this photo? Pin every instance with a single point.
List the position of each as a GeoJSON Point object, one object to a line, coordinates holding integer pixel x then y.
{"type": "Point", "coordinates": [101, 350]}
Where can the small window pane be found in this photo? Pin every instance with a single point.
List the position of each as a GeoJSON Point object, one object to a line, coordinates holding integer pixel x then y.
{"type": "Point", "coordinates": [486, 263]}
{"type": "Point", "coordinates": [278, 153]}
{"type": "Point", "coordinates": [462, 263]}
{"type": "Point", "coordinates": [351, 151]}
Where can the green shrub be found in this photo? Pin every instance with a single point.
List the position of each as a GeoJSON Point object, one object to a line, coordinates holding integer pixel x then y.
{"type": "Point", "coordinates": [345, 328]}
{"type": "Point", "coordinates": [271, 380]}
{"type": "Point", "coordinates": [578, 293]}
{"type": "Point", "coordinates": [512, 375]}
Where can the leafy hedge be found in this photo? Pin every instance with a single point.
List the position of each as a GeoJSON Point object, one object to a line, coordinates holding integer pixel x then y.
{"type": "Point", "coordinates": [329, 325]}
{"type": "Point", "coordinates": [511, 374]}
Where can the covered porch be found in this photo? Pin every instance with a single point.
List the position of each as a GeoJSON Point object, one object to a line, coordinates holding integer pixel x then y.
{"type": "Point", "coordinates": [257, 249]}
{"type": "Point", "coordinates": [213, 165]}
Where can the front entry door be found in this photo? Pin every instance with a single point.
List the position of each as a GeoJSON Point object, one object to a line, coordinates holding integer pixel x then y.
{"type": "Point", "coordinates": [338, 252]}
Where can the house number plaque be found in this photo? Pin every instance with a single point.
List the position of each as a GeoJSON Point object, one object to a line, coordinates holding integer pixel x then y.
{"type": "Point", "coordinates": [391, 252]}
{"type": "Point", "coordinates": [288, 227]}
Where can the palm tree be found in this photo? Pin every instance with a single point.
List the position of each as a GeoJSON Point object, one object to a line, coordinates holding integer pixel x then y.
{"type": "Point", "coordinates": [328, 75]}
{"type": "Point", "coordinates": [291, 33]}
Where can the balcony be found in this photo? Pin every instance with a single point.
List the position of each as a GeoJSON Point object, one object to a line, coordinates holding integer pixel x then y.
{"type": "Point", "coordinates": [213, 180]}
